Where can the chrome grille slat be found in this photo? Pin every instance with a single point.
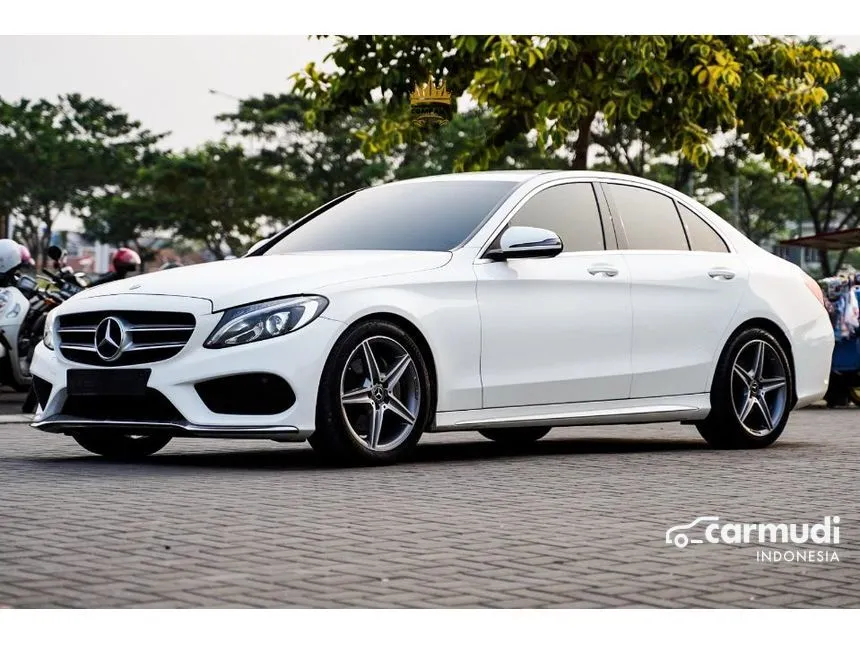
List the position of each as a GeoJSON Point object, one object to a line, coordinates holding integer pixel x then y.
{"type": "Point", "coordinates": [145, 346]}
{"type": "Point", "coordinates": [80, 348]}
{"type": "Point", "coordinates": [154, 336]}
{"type": "Point", "coordinates": [161, 328]}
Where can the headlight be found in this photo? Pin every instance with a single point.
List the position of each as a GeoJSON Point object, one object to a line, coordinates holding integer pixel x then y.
{"type": "Point", "coordinates": [48, 333]}
{"type": "Point", "coordinates": [250, 323]}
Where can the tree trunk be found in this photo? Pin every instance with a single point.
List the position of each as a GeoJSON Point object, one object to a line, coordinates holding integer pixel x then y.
{"type": "Point", "coordinates": [824, 258]}
{"type": "Point", "coordinates": [583, 142]}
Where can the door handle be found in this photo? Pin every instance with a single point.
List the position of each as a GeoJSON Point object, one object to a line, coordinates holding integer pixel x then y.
{"type": "Point", "coordinates": [603, 269]}
{"type": "Point", "coordinates": [721, 274]}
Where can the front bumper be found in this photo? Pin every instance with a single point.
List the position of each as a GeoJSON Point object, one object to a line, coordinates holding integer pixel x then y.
{"type": "Point", "coordinates": [298, 358]}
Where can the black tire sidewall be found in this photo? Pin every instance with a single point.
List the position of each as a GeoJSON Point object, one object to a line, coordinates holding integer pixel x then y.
{"type": "Point", "coordinates": [332, 438]}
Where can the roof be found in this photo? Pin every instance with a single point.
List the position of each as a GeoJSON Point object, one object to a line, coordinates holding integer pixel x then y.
{"type": "Point", "coordinates": [834, 241]}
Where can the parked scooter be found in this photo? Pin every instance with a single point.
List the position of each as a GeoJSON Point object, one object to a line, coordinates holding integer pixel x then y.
{"type": "Point", "coordinates": [14, 307]}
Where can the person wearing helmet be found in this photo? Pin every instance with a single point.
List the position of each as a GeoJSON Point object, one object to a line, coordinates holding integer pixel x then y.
{"type": "Point", "coordinates": [26, 258]}
{"type": "Point", "coordinates": [123, 262]}
{"type": "Point", "coordinates": [10, 258]}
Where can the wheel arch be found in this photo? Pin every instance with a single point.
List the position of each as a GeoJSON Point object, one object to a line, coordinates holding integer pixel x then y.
{"type": "Point", "coordinates": [414, 332]}
{"type": "Point", "coordinates": [781, 337]}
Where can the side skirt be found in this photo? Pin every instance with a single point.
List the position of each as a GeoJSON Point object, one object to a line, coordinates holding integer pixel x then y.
{"type": "Point", "coordinates": [687, 407]}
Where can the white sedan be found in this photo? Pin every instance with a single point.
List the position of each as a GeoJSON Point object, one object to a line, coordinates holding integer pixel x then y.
{"type": "Point", "coordinates": [506, 303]}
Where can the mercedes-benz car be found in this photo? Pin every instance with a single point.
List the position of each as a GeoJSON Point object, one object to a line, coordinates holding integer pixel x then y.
{"type": "Point", "coordinates": [506, 303]}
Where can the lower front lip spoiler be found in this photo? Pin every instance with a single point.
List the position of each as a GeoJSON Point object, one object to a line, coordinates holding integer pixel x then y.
{"type": "Point", "coordinates": [61, 423]}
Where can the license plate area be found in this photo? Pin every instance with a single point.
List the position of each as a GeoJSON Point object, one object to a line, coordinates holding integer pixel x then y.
{"type": "Point", "coordinates": [107, 382]}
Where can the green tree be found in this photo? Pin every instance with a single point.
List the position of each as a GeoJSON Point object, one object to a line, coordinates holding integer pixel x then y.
{"type": "Point", "coordinates": [55, 156]}
{"type": "Point", "coordinates": [323, 162]}
{"type": "Point", "coordinates": [831, 190]}
{"type": "Point", "coordinates": [753, 198]}
{"type": "Point", "coordinates": [217, 195]}
{"type": "Point", "coordinates": [438, 151]}
{"type": "Point", "coordinates": [680, 90]}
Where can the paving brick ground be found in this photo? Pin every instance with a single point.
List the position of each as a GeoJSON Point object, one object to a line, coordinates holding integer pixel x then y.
{"type": "Point", "coordinates": [578, 520]}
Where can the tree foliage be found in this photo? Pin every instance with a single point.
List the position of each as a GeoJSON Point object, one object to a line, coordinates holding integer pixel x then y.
{"type": "Point", "coordinates": [679, 90]}
{"type": "Point", "coordinates": [55, 156]}
{"type": "Point", "coordinates": [831, 191]}
{"type": "Point", "coordinates": [217, 195]}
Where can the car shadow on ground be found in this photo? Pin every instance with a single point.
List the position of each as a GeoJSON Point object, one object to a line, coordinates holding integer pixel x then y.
{"type": "Point", "coordinates": [301, 457]}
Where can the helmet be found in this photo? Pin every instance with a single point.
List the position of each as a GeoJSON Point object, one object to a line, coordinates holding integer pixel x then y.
{"type": "Point", "coordinates": [26, 258]}
{"type": "Point", "coordinates": [10, 255]}
{"type": "Point", "coordinates": [173, 264]}
{"type": "Point", "coordinates": [125, 260]}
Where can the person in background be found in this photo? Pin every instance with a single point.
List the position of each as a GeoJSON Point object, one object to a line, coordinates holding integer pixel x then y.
{"type": "Point", "coordinates": [123, 262]}
{"type": "Point", "coordinates": [27, 263]}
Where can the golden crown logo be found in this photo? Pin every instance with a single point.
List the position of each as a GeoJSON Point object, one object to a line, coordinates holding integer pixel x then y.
{"type": "Point", "coordinates": [431, 104]}
{"type": "Point", "coordinates": [430, 93]}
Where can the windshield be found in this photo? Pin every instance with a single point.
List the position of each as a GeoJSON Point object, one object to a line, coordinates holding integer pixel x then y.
{"type": "Point", "coordinates": [419, 216]}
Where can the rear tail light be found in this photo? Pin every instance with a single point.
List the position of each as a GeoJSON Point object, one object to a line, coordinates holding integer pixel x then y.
{"type": "Point", "coordinates": [815, 288]}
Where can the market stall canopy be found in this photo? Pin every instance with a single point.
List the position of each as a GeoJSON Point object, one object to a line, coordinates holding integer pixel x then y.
{"type": "Point", "coordinates": [835, 241]}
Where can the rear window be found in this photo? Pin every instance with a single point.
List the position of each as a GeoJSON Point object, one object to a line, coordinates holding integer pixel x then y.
{"type": "Point", "coordinates": [650, 219]}
{"type": "Point", "coordinates": [702, 236]}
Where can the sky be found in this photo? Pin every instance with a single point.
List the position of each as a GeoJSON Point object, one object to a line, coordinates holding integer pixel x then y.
{"type": "Point", "coordinates": [165, 81]}
{"type": "Point", "coordinates": [161, 81]}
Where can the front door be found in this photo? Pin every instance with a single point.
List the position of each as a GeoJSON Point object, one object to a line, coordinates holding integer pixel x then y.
{"type": "Point", "coordinates": [557, 330]}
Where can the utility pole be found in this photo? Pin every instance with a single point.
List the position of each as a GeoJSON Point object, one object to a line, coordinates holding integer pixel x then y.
{"type": "Point", "coordinates": [736, 201]}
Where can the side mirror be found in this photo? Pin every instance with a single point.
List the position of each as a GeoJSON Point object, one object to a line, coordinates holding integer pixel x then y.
{"type": "Point", "coordinates": [55, 253]}
{"type": "Point", "coordinates": [526, 242]}
{"type": "Point", "coordinates": [256, 246]}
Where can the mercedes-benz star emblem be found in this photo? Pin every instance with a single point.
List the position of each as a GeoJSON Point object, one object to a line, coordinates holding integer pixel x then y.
{"type": "Point", "coordinates": [111, 339]}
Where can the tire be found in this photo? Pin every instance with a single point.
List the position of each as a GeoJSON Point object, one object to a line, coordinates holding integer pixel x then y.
{"type": "Point", "coordinates": [515, 437]}
{"type": "Point", "coordinates": [353, 395]}
{"type": "Point", "coordinates": [122, 446]}
{"type": "Point", "coordinates": [738, 396]}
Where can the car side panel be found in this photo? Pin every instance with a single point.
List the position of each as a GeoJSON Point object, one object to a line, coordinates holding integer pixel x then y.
{"type": "Point", "coordinates": [777, 293]}
{"type": "Point", "coordinates": [442, 305]}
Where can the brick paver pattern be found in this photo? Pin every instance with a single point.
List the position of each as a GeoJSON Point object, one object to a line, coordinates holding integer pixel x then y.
{"type": "Point", "coordinates": [577, 520]}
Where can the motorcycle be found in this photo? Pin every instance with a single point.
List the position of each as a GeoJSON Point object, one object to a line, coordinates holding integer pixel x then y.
{"type": "Point", "coordinates": [63, 283]}
{"type": "Point", "coordinates": [14, 308]}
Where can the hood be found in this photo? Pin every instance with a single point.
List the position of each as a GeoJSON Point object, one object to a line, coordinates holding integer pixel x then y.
{"type": "Point", "coordinates": [229, 283]}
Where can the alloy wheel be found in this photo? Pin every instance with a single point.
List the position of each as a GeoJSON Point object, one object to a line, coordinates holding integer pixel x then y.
{"type": "Point", "coordinates": [380, 393]}
{"type": "Point", "coordinates": [759, 388]}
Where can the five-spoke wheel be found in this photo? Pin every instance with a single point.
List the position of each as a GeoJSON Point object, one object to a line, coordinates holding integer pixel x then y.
{"type": "Point", "coordinates": [751, 394]}
{"type": "Point", "coordinates": [380, 393]}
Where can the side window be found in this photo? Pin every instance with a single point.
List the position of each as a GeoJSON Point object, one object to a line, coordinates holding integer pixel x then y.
{"type": "Point", "coordinates": [570, 210]}
{"type": "Point", "coordinates": [702, 236]}
{"type": "Point", "coordinates": [650, 219]}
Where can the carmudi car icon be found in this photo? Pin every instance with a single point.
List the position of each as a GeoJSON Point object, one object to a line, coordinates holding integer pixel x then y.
{"type": "Point", "coordinates": [677, 536]}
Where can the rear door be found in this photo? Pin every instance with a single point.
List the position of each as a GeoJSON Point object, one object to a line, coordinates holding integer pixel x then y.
{"type": "Point", "coordinates": [685, 288]}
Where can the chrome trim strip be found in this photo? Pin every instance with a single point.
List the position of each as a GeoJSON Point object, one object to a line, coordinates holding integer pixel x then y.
{"type": "Point", "coordinates": [136, 348]}
{"type": "Point", "coordinates": [90, 329]}
{"type": "Point", "coordinates": [66, 423]}
{"type": "Point", "coordinates": [160, 328]}
{"type": "Point", "coordinates": [83, 348]}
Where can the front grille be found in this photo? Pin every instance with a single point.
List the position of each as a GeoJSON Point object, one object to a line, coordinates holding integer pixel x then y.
{"type": "Point", "coordinates": [152, 336]}
{"type": "Point", "coordinates": [151, 406]}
